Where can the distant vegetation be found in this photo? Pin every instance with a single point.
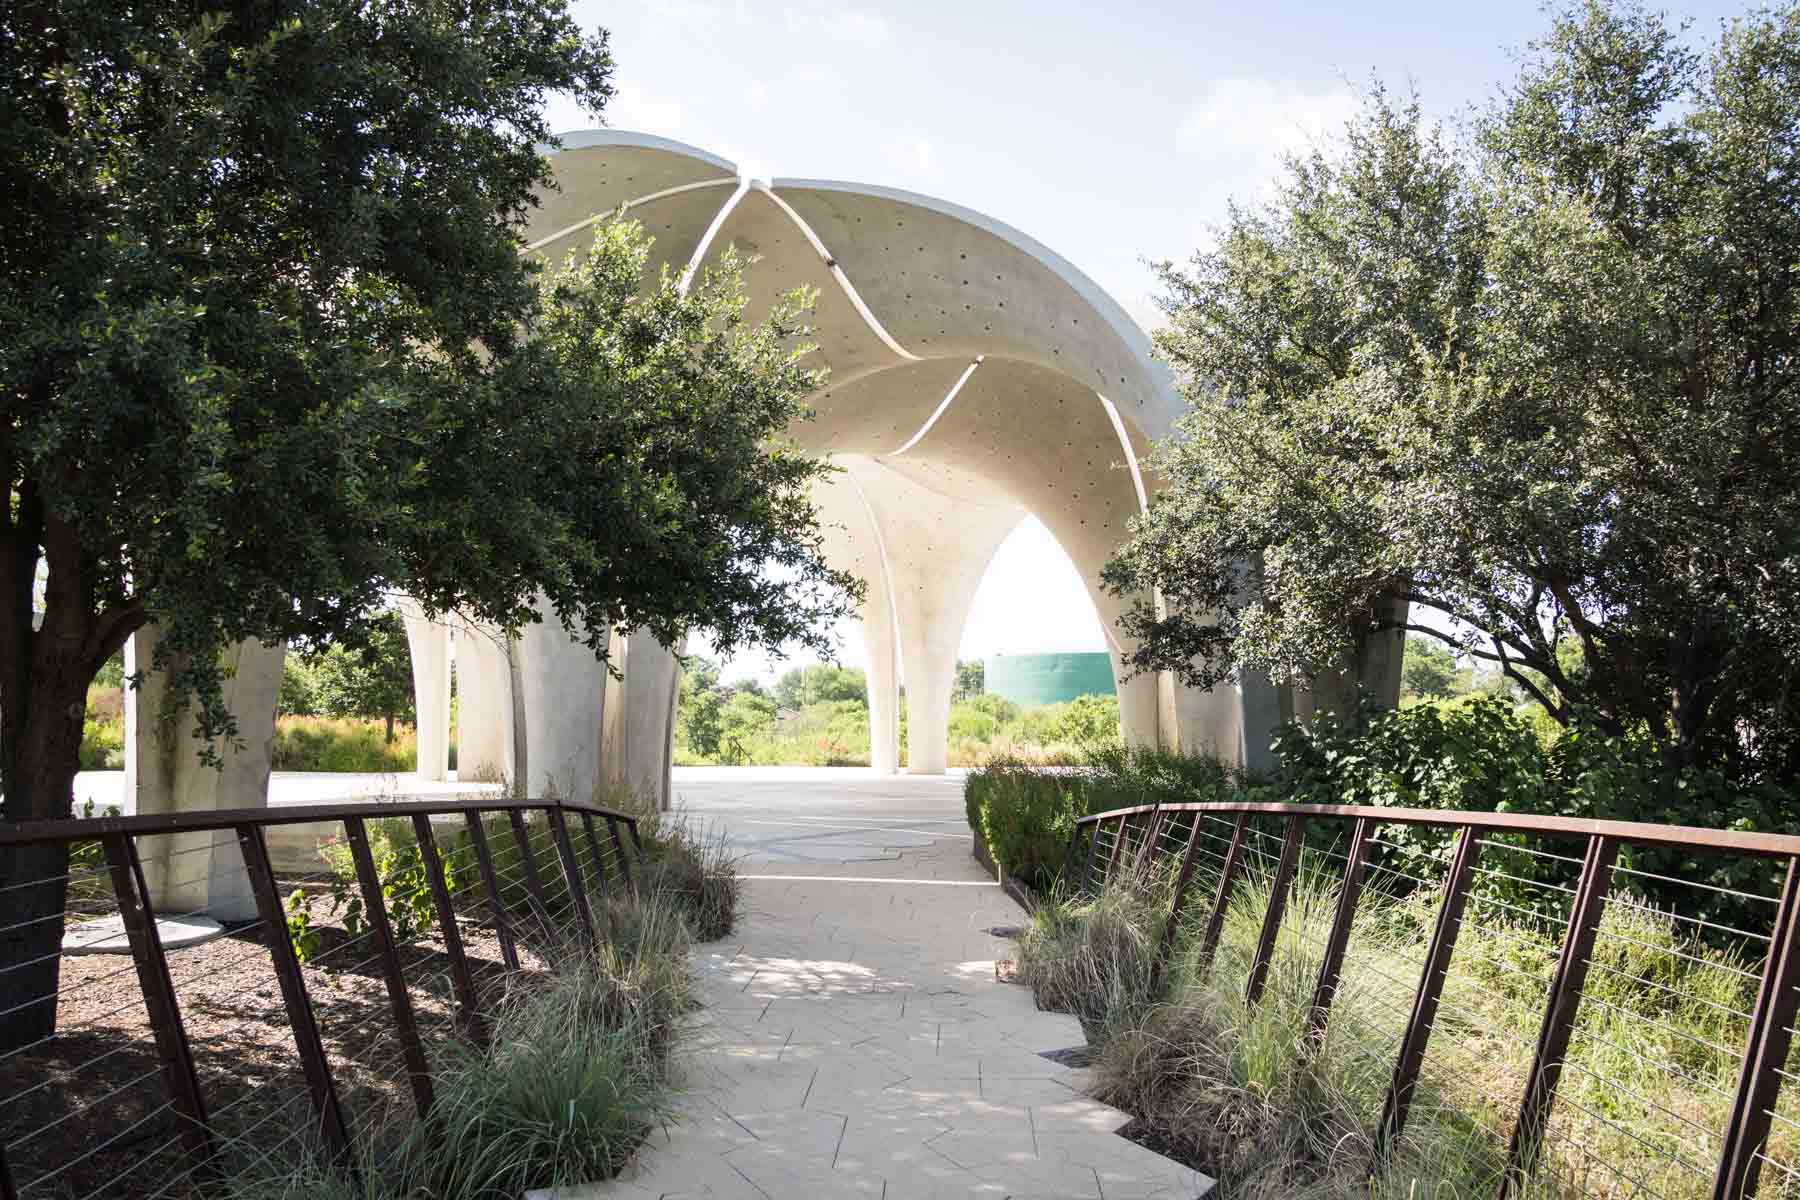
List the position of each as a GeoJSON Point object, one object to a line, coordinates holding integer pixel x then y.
{"type": "Point", "coordinates": [819, 716]}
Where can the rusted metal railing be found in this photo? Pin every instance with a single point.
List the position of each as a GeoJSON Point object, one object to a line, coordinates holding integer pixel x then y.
{"type": "Point", "coordinates": [1128, 845]}
{"type": "Point", "coordinates": [515, 880]}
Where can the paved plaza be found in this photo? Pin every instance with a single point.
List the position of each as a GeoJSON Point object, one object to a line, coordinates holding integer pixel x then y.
{"type": "Point", "coordinates": [855, 1041]}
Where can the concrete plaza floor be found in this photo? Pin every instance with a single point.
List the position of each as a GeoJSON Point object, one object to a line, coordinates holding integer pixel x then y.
{"type": "Point", "coordinates": [855, 1041]}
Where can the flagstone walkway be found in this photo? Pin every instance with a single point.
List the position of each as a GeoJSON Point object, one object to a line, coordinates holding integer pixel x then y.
{"type": "Point", "coordinates": [856, 1043]}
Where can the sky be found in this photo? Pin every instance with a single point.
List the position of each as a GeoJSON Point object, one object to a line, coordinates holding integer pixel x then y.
{"type": "Point", "coordinates": [1113, 133]}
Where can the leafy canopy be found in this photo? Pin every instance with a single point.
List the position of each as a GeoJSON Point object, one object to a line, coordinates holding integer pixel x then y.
{"type": "Point", "coordinates": [269, 351]}
{"type": "Point", "coordinates": [1542, 383]}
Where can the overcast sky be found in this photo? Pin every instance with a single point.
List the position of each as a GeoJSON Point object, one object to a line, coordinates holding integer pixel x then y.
{"type": "Point", "coordinates": [1112, 133]}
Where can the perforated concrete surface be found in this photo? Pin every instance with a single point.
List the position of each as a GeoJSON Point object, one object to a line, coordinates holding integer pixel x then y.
{"type": "Point", "coordinates": [855, 1042]}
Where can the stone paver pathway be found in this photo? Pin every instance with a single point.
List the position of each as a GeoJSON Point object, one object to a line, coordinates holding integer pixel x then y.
{"type": "Point", "coordinates": [855, 1043]}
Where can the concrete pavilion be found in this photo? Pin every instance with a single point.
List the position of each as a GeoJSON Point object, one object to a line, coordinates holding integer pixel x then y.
{"type": "Point", "coordinates": [975, 377]}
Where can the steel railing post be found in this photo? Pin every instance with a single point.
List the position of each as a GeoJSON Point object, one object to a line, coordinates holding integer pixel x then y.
{"type": "Point", "coordinates": [484, 860]}
{"type": "Point", "coordinates": [313, 1063]}
{"type": "Point", "coordinates": [179, 1077]}
{"type": "Point", "coordinates": [1425, 999]}
{"type": "Point", "coordinates": [1342, 920]}
{"type": "Point", "coordinates": [1215, 923]}
{"type": "Point", "coordinates": [418, 1071]}
{"type": "Point", "coordinates": [1166, 944]}
{"type": "Point", "coordinates": [534, 883]}
{"type": "Point", "coordinates": [464, 984]}
{"type": "Point", "coordinates": [1559, 1013]}
{"type": "Point", "coordinates": [1279, 888]}
{"type": "Point", "coordinates": [593, 841]}
{"type": "Point", "coordinates": [1765, 1051]}
{"type": "Point", "coordinates": [565, 850]}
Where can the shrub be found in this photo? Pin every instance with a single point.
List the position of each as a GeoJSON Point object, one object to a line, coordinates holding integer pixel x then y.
{"type": "Point", "coordinates": [574, 1074]}
{"type": "Point", "coordinates": [575, 1071]}
{"type": "Point", "coordinates": [1477, 755]}
{"type": "Point", "coordinates": [340, 744]}
{"type": "Point", "coordinates": [1026, 811]}
{"type": "Point", "coordinates": [102, 745]}
{"type": "Point", "coordinates": [405, 887]}
{"type": "Point", "coordinates": [1092, 957]}
{"type": "Point", "coordinates": [692, 872]}
{"type": "Point", "coordinates": [1026, 815]}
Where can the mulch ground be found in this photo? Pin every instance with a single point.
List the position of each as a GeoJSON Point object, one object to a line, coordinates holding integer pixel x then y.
{"type": "Point", "coordinates": [86, 1114]}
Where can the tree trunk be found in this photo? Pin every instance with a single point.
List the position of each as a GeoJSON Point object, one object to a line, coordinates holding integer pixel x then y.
{"type": "Point", "coordinates": [34, 882]}
{"type": "Point", "coordinates": [390, 729]}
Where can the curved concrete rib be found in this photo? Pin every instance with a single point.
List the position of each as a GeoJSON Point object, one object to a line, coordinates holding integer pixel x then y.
{"type": "Point", "coordinates": [706, 239]}
{"type": "Point", "coordinates": [938, 411]}
{"type": "Point", "coordinates": [837, 273]}
{"type": "Point", "coordinates": [1131, 458]}
{"type": "Point", "coordinates": [854, 542]}
{"type": "Point", "coordinates": [627, 206]}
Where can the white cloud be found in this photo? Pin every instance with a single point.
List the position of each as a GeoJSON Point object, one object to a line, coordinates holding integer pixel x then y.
{"type": "Point", "coordinates": [1242, 128]}
{"type": "Point", "coordinates": [1264, 117]}
{"type": "Point", "coordinates": [756, 96]}
{"type": "Point", "coordinates": [912, 159]}
{"type": "Point", "coordinates": [683, 18]}
{"type": "Point", "coordinates": [647, 110]}
{"type": "Point", "coordinates": [851, 25]}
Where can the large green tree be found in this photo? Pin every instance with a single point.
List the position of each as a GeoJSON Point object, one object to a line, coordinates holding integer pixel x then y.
{"type": "Point", "coordinates": [371, 677]}
{"type": "Point", "coordinates": [269, 350]}
{"type": "Point", "coordinates": [821, 682]}
{"type": "Point", "coordinates": [1542, 382]}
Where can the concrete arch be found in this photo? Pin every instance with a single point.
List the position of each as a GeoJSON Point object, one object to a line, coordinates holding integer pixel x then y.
{"type": "Point", "coordinates": [945, 333]}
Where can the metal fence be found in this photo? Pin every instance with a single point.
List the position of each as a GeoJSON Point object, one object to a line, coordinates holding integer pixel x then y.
{"type": "Point", "coordinates": [1663, 1029]}
{"type": "Point", "coordinates": [381, 935]}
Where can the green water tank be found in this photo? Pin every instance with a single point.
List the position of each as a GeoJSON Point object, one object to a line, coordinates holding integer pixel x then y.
{"type": "Point", "coordinates": [1032, 679]}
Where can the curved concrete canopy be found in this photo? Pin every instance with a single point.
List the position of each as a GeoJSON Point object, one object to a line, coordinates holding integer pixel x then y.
{"type": "Point", "coordinates": [974, 377]}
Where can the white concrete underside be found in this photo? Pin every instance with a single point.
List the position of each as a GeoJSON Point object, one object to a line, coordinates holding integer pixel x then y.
{"type": "Point", "coordinates": [854, 1041]}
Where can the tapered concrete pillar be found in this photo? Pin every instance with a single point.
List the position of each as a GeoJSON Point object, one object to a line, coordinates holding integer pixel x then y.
{"type": "Point", "coordinates": [484, 706]}
{"type": "Point", "coordinates": [937, 543]}
{"type": "Point", "coordinates": [428, 638]}
{"type": "Point", "coordinates": [199, 872]}
{"type": "Point", "coordinates": [639, 711]}
{"type": "Point", "coordinates": [854, 542]}
{"type": "Point", "coordinates": [562, 688]}
{"type": "Point", "coordinates": [883, 652]}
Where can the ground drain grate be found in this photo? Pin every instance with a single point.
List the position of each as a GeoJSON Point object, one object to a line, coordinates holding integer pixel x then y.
{"type": "Point", "coordinates": [1074, 1056]}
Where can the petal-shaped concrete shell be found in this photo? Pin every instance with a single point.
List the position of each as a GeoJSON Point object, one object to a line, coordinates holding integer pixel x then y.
{"type": "Point", "coordinates": [975, 376]}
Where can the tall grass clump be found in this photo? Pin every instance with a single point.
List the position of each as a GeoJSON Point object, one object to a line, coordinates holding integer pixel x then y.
{"type": "Point", "coordinates": [1244, 1094]}
{"type": "Point", "coordinates": [692, 869]}
{"type": "Point", "coordinates": [341, 744]}
{"type": "Point", "coordinates": [574, 1073]}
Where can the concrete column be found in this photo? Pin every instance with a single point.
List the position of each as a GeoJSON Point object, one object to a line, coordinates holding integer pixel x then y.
{"type": "Point", "coordinates": [199, 872]}
{"type": "Point", "coordinates": [613, 779]}
{"type": "Point", "coordinates": [562, 693]}
{"type": "Point", "coordinates": [484, 734]}
{"type": "Point", "coordinates": [884, 688]}
{"type": "Point", "coordinates": [429, 641]}
{"type": "Point", "coordinates": [635, 754]}
{"type": "Point", "coordinates": [937, 546]}
{"type": "Point", "coordinates": [1261, 702]}
{"type": "Point", "coordinates": [854, 542]}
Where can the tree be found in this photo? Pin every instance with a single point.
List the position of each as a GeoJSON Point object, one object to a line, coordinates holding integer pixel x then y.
{"type": "Point", "coordinates": [1543, 385]}
{"type": "Point", "coordinates": [372, 678]}
{"type": "Point", "coordinates": [1430, 669]}
{"type": "Point", "coordinates": [702, 721]}
{"type": "Point", "coordinates": [266, 358]}
{"type": "Point", "coordinates": [971, 680]}
{"type": "Point", "coordinates": [819, 683]}
{"type": "Point", "coordinates": [746, 716]}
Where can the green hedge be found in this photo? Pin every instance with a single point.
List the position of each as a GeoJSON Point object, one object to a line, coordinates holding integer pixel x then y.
{"type": "Point", "coordinates": [1475, 756]}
